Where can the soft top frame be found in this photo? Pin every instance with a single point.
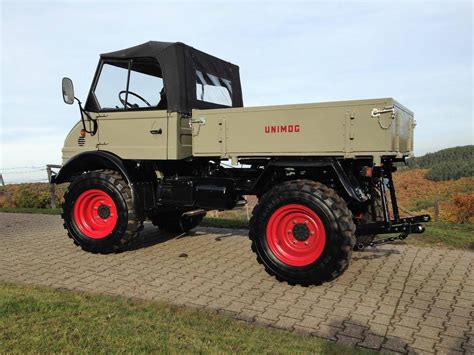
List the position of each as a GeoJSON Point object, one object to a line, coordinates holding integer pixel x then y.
{"type": "Point", "coordinates": [177, 66]}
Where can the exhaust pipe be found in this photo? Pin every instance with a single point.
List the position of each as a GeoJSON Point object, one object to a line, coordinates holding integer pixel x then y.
{"type": "Point", "coordinates": [193, 213]}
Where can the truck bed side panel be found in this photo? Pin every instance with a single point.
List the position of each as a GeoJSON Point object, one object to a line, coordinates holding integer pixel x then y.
{"type": "Point", "coordinates": [338, 128]}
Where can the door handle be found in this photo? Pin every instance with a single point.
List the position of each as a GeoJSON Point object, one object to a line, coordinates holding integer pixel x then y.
{"type": "Point", "coordinates": [156, 131]}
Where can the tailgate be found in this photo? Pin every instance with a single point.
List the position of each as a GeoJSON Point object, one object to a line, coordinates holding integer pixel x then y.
{"type": "Point", "coordinates": [402, 130]}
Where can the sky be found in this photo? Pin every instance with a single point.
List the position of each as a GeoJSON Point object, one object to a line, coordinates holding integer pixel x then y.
{"type": "Point", "coordinates": [419, 52]}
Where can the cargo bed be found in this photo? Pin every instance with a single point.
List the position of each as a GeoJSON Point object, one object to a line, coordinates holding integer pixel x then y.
{"type": "Point", "coordinates": [376, 127]}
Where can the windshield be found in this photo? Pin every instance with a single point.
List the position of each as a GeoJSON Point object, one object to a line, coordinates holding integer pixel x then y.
{"type": "Point", "coordinates": [144, 89]}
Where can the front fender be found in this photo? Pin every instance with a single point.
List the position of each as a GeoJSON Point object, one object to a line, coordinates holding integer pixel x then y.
{"type": "Point", "coordinates": [86, 161]}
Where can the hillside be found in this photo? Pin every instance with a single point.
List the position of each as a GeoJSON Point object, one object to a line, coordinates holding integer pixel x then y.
{"type": "Point", "coordinates": [446, 164]}
{"type": "Point", "coordinates": [418, 194]}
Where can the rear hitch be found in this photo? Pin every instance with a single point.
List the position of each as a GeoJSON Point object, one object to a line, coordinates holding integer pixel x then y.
{"type": "Point", "coordinates": [375, 243]}
{"type": "Point", "coordinates": [404, 226]}
{"type": "Point", "coordinates": [408, 225]}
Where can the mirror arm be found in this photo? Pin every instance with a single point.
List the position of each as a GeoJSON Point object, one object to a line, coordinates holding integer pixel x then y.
{"type": "Point", "coordinates": [94, 121]}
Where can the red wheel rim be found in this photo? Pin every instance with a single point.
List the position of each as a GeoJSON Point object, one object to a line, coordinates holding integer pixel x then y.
{"type": "Point", "coordinates": [296, 235]}
{"type": "Point", "coordinates": [95, 214]}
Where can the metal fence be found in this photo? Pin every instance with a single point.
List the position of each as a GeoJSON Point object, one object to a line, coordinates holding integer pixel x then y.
{"type": "Point", "coordinates": [30, 174]}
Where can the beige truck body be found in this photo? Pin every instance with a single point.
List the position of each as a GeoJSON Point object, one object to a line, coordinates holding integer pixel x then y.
{"type": "Point", "coordinates": [360, 128]}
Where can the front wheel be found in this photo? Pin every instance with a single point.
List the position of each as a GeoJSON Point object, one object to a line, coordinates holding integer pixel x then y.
{"type": "Point", "coordinates": [98, 212]}
{"type": "Point", "coordinates": [302, 232]}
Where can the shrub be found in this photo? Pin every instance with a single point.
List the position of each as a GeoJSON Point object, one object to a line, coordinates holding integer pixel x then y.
{"type": "Point", "coordinates": [27, 198]}
{"type": "Point", "coordinates": [464, 208]}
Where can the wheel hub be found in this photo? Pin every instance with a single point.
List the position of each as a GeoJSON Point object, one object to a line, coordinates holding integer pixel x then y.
{"type": "Point", "coordinates": [104, 211]}
{"type": "Point", "coordinates": [95, 213]}
{"type": "Point", "coordinates": [301, 232]}
{"type": "Point", "coordinates": [296, 235]}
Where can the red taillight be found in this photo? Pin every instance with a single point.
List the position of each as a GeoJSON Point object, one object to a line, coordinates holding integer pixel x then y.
{"type": "Point", "coordinates": [83, 133]}
{"type": "Point", "coordinates": [366, 171]}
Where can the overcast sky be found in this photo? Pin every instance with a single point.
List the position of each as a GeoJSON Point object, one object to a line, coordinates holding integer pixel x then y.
{"type": "Point", "coordinates": [420, 53]}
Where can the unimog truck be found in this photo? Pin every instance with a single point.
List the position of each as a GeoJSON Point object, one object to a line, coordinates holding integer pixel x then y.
{"type": "Point", "coordinates": [160, 121]}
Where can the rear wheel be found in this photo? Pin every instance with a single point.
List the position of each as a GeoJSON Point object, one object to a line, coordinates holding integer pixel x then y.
{"type": "Point", "coordinates": [302, 232]}
{"type": "Point", "coordinates": [175, 222]}
{"type": "Point", "coordinates": [98, 212]}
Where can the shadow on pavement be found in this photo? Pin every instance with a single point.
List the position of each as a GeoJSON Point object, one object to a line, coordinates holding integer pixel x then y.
{"type": "Point", "coordinates": [373, 253]}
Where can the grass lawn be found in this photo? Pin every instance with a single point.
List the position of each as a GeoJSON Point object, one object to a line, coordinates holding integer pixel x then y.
{"type": "Point", "coordinates": [45, 320]}
{"type": "Point", "coordinates": [53, 211]}
{"type": "Point", "coordinates": [459, 236]}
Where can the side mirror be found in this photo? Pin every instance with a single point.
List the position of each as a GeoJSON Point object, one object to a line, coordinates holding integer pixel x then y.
{"type": "Point", "coordinates": [68, 91]}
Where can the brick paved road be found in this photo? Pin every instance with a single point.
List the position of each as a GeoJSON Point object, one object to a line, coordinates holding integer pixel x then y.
{"type": "Point", "coordinates": [396, 298]}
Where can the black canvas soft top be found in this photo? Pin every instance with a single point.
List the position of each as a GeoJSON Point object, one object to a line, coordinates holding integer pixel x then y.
{"type": "Point", "coordinates": [178, 64]}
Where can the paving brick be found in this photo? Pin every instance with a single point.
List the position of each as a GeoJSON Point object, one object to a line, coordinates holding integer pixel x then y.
{"type": "Point", "coordinates": [310, 322]}
{"type": "Point", "coordinates": [408, 322]}
{"type": "Point", "coordinates": [434, 322]}
{"type": "Point", "coordinates": [372, 341]}
{"type": "Point", "coordinates": [326, 331]}
{"type": "Point", "coordinates": [394, 344]}
{"type": "Point", "coordinates": [353, 330]}
{"type": "Point", "coordinates": [424, 344]}
{"type": "Point", "coordinates": [285, 323]}
{"type": "Point", "coordinates": [346, 340]}
{"type": "Point", "coordinates": [402, 332]}
{"type": "Point", "coordinates": [450, 342]}
{"type": "Point", "coordinates": [295, 312]}
{"type": "Point", "coordinates": [428, 332]}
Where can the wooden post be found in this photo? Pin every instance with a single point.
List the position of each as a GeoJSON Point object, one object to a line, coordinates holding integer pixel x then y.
{"type": "Point", "coordinates": [1, 180]}
{"type": "Point", "coordinates": [52, 187]}
{"type": "Point", "coordinates": [436, 209]}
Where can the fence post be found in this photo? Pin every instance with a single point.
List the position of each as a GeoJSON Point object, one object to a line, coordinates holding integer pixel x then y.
{"type": "Point", "coordinates": [52, 187]}
{"type": "Point", "coordinates": [1, 180]}
{"type": "Point", "coordinates": [436, 209]}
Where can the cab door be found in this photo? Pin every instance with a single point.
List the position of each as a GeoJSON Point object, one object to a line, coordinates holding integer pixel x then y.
{"type": "Point", "coordinates": [134, 134]}
{"type": "Point", "coordinates": [132, 118]}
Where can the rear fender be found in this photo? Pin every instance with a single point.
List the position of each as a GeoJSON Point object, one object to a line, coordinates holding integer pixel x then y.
{"type": "Point", "coordinates": [353, 191]}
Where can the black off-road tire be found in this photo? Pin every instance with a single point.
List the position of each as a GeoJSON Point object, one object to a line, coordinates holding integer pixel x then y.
{"type": "Point", "coordinates": [173, 222]}
{"type": "Point", "coordinates": [373, 214]}
{"type": "Point", "coordinates": [127, 224]}
{"type": "Point", "coordinates": [334, 215]}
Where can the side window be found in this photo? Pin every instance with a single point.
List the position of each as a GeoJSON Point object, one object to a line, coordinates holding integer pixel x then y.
{"type": "Point", "coordinates": [112, 80]}
{"type": "Point", "coordinates": [146, 86]}
{"type": "Point", "coordinates": [210, 88]}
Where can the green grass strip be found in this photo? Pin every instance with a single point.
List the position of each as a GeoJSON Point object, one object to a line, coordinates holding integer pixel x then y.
{"type": "Point", "coordinates": [42, 320]}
